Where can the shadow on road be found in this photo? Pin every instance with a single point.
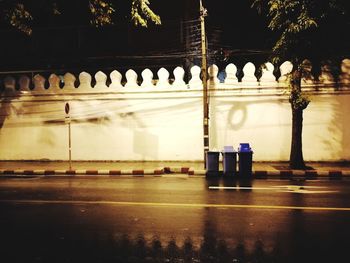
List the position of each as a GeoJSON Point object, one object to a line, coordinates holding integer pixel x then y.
{"type": "Point", "coordinates": [126, 249]}
{"type": "Point", "coordinates": [136, 250]}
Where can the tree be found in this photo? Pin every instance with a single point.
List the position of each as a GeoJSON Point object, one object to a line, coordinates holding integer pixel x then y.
{"type": "Point", "coordinates": [303, 29]}
{"type": "Point", "coordinates": [19, 14]}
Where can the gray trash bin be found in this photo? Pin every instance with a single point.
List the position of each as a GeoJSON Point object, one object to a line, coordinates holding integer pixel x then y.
{"type": "Point", "coordinates": [229, 160]}
{"type": "Point", "coordinates": [212, 159]}
{"type": "Point", "coordinates": [245, 159]}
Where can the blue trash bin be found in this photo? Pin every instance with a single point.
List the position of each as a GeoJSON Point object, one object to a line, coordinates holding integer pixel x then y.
{"type": "Point", "coordinates": [245, 159]}
{"type": "Point", "coordinates": [212, 159]}
{"type": "Point", "coordinates": [229, 161]}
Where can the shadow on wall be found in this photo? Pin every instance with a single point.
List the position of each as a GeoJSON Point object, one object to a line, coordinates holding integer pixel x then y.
{"type": "Point", "coordinates": [8, 93]}
{"type": "Point", "coordinates": [326, 127]}
{"type": "Point", "coordinates": [238, 109]}
{"type": "Point", "coordinates": [146, 144]}
{"type": "Point", "coordinates": [340, 125]}
{"type": "Point", "coordinates": [345, 119]}
{"type": "Point", "coordinates": [237, 115]}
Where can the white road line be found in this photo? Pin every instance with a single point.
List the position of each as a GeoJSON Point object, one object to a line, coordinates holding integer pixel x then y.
{"type": "Point", "coordinates": [279, 188]}
{"type": "Point", "coordinates": [239, 188]}
{"type": "Point", "coordinates": [298, 186]}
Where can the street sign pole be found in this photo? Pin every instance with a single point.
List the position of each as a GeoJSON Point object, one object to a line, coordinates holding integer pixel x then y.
{"type": "Point", "coordinates": [68, 119]}
{"type": "Point", "coordinates": [203, 14]}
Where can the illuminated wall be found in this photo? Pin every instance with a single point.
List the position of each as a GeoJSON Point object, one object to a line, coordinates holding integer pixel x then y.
{"type": "Point", "coordinates": [162, 119]}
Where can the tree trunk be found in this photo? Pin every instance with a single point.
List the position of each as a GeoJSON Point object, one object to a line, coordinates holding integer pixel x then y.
{"type": "Point", "coordinates": [296, 160]}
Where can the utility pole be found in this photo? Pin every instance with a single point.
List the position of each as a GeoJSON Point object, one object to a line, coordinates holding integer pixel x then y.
{"type": "Point", "coordinates": [203, 14]}
{"type": "Point", "coordinates": [68, 119]}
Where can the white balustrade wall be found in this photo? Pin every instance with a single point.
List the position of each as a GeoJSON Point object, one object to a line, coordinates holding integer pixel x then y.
{"type": "Point", "coordinates": [158, 116]}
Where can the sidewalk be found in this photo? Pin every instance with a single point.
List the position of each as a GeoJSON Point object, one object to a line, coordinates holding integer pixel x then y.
{"type": "Point", "coordinates": [155, 168]}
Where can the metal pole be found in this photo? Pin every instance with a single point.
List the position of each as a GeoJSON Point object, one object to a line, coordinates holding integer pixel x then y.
{"type": "Point", "coordinates": [203, 13]}
{"type": "Point", "coordinates": [70, 144]}
{"type": "Point", "coordinates": [68, 119]}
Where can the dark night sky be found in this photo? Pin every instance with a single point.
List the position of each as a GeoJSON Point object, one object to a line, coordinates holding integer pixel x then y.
{"type": "Point", "coordinates": [67, 41]}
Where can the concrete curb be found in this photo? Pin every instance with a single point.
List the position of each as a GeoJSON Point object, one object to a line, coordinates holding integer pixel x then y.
{"type": "Point", "coordinates": [285, 174]}
{"type": "Point", "coordinates": [180, 170]}
{"type": "Point", "coordinates": [136, 172]}
{"type": "Point", "coordinates": [257, 174]}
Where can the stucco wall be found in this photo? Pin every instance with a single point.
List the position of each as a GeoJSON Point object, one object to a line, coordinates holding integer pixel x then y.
{"type": "Point", "coordinates": [168, 126]}
{"type": "Point", "coordinates": [161, 119]}
{"type": "Point", "coordinates": [265, 123]}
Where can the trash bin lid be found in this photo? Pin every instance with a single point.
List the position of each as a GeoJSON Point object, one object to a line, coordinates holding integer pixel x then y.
{"type": "Point", "coordinates": [228, 149]}
{"type": "Point", "coordinates": [244, 147]}
{"type": "Point", "coordinates": [213, 151]}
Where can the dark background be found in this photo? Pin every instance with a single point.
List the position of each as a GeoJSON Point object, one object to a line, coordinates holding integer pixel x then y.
{"type": "Point", "coordinates": [68, 42]}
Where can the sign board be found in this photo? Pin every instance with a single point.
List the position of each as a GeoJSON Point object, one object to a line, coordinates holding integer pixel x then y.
{"type": "Point", "coordinates": [66, 108]}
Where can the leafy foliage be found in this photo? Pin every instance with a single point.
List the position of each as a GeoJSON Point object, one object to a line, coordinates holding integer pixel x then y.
{"type": "Point", "coordinates": [298, 23]}
{"type": "Point", "coordinates": [19, 14]}
{"type": "Point", "coordinates": [300, 27]}
{"type": "Point", "coordinates": [141, 13]}
{"type": "Point", "coordinates": [298, 100]}
{"type": "Point", "coordinates": [101, 12]}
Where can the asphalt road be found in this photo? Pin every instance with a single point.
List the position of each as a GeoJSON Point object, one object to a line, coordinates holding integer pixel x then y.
{"type": "Point", "coordinates": [173, 220]}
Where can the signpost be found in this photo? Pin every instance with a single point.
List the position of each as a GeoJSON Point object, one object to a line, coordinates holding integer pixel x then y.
{"type": "Point", "coordinates": [66, 109]}
{"type": "Point", "coordinates": [203, 14]}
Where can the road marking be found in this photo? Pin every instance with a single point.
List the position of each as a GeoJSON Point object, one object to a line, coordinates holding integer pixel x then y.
{"type": "Point", "coordinates": [181, 205]}
{"type": "Point", "coordinates": [301, 191]}
{"type": "Point", "coordinates": [279, 188]}
{"type": "Point", "coordinates": [239, 188]}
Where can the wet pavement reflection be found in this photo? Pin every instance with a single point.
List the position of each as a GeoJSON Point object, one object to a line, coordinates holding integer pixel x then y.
{"type": "Point", "coordinates": [84, 232]}
{"type": "Point", "coordinates": [138, 249]}
{"type": "Point", "coordinates": [126, 249]}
